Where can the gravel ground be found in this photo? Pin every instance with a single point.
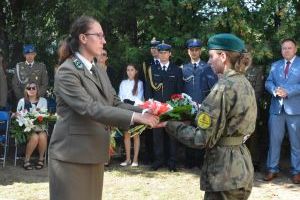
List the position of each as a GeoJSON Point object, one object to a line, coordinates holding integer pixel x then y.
{"type": "Point", "coordinates": [138, 183]}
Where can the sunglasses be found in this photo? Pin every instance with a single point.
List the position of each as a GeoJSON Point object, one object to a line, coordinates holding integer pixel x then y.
{"type": "Point", "coordinates": [31, 88]}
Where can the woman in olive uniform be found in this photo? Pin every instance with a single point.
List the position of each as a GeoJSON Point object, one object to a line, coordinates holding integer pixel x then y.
{"type": "Point", "coordinates": [225, 120]}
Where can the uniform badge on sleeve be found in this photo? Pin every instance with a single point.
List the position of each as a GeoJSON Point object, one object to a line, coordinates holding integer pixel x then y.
{"type": "Point", "coordinates": [204, 121]}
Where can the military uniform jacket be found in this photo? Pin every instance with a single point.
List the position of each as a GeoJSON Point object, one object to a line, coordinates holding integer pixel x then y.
{"type": "Point", "coordinates": [199, 81]}
{"type": "Point", "coordinates": [144, 77]}
{"type": "Point", "coordinates": [170, 81]}
{"type": "Point", "coordinates": [3, 87]}
{"type": "Point", "coordinates": [228, 113]}
{"type": "Point", "coordinates": [255, 75]}
{"type": "Point", "coordinates": [24, 74]}
{"type": "Point", "coordinates": [86, 107]}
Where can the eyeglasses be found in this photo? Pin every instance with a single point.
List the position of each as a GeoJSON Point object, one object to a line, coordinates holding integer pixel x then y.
{"type": "Point", "coordinates": [99, 35]}
{"type": "Point", "coordinates": [31, 88]}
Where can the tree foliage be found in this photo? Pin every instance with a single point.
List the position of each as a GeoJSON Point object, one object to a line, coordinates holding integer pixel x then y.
{"type": "Point", "coordinates": [129, 25]}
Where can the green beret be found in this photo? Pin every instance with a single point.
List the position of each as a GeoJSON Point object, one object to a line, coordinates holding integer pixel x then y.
{"type": "Point", "coordinates": [227, 42]}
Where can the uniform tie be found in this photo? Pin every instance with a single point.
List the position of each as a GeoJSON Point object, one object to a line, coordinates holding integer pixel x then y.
{"type": "Point", "coordinates": [156, 62]}
{"type": "Point", "coordinates": [286, 69]}
{"type": "Point", "coordinates": [164, 68]}
{"type": "Point", "coordinates": [93, 70]}
{"type": "Point", "coordinates": [195, 66]}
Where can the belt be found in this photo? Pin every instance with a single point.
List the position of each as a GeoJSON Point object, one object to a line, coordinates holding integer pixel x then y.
{"type": "Point", "coordinates": [230, 141]}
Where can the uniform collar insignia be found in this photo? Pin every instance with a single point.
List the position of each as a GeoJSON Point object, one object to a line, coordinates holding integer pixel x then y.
{"type": "Point", "coordinates": [78, 64]}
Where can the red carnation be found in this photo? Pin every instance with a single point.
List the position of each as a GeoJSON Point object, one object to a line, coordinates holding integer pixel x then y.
{"type": "Point", "coordinates": [176, 97]}
{"type": "Point", "coordinates": [40, 119]}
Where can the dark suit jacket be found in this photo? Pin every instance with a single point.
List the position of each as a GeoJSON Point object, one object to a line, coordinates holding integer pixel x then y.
{"type": "Point", "coordinates": [86, 107]}
{"type": "Point", "coordinates": [171, 80]}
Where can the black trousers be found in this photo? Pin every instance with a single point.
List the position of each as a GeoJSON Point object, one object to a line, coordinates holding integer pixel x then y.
{"type": "Point", "coordinates": [164, 147]}
{"type": "Point", "coordinates": [194, 157]}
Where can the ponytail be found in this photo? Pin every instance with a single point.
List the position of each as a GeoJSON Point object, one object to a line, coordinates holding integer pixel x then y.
{"type": "Point", "coordinates": [239, 61]}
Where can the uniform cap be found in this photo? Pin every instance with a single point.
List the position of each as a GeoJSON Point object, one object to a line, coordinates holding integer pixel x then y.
{"type": "Point", "coordinates": [164, 47]}
{"type": "Point", "coordinates": [227, 42]}
{"type": "Point", "coordinates": [193, 43]}
{"type": "Point", "coordinates": [154, 42]}
{"type": "Point", "coordinates": [28, 48]}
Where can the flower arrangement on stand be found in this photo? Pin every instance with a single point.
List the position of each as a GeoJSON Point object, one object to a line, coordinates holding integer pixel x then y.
{"type": "Point", "coordinates": [25, 122]}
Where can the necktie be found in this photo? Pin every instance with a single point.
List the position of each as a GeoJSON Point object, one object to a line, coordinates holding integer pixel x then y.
{"type": "Point", "coordinates": [156, 62]}
{"type": "Point", "coordinates": [195, 66]}
{"type": "Point", "coordinates": [29, 65]}
{"type": "Point", "coordinates": [286, 69]}
{"type": "Point", "coordinates": [93, 70]}
{"type": "Point", "coordinates": [164, 68]}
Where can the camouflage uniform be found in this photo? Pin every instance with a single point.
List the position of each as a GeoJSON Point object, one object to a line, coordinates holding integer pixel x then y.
{"type": "Point", "coordinates": [226, 117]}
{"type": "Point", "coordinates": [25, 74]}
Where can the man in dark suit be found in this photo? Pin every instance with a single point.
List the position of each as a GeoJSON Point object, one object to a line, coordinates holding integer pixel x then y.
{"type": "Point", "coordinates": [148, 155]}
{"type": "Point", "coordinates": [198, 78]}
{"type": "Point", "coordinates": [165, 79]}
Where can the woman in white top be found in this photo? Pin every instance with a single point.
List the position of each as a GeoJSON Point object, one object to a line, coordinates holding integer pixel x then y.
{"type": "Point", "coordinates": [38, 138]}
{"type": "Point", "coordinates": [131, 91]}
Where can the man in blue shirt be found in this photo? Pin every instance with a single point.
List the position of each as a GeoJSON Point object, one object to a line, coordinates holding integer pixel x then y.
{"type": "Point", "coordinates": [198, 78]}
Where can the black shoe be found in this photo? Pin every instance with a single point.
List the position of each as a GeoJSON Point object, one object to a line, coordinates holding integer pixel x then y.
{"type": "Point", "coordinates": [173, 169]}
{"type": "Point", "coordinates": [256, 167]}
{"type": "Point", "coordinates": [189, 165]}
{"type": "Point", "coordinates": [156, 165]}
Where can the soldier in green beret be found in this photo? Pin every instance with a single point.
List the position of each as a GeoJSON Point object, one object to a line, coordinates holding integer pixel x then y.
{"type": "Point", "coordinates": [29, 71]}
{"type": "Point", "coordinates": [225, 120]}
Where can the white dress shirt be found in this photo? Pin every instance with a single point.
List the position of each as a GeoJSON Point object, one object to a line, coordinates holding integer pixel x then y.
{"type": "Point", "coordinates": [125, 91]}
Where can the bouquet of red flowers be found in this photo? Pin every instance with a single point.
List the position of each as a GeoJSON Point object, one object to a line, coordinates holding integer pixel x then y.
{"type": "Point", "coordinates": [180, 108]}
{"type": "Point", "coordinates": [184, 108]}
{"type": "Point", "coordinates": [157, 108]}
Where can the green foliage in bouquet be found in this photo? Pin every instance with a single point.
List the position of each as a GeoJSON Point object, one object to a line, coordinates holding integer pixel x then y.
{"type": "Point", "coordinates": [180, 113]}
{"type": "Point", "coordinates": [183, 108]}
{"type": "Point", "coordinates": [18, 132]}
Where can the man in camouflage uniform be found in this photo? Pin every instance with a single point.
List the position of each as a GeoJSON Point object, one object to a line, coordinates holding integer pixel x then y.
{"type": "Point", "coordinates": [225, 119]}
{"type": "Point", "coordinates": [29, 71]}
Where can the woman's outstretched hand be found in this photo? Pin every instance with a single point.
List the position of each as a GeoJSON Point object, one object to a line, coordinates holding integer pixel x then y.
{"type": "Point", "coordinates": [146, 118]}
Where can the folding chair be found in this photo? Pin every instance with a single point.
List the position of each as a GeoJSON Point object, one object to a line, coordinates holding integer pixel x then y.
{"type": "Point", "coordinates": [4, 138]}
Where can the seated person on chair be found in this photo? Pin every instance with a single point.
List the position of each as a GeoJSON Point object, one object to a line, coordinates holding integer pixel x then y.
{"type": "Point", "coordinates": [38, 138]}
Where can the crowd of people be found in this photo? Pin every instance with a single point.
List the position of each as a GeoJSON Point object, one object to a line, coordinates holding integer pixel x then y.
{"type": "Point", "coordinates": [88, 106]}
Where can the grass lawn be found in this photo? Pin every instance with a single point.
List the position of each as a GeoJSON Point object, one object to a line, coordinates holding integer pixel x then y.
{"type": "Point", "coordinates": [138, 183]}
